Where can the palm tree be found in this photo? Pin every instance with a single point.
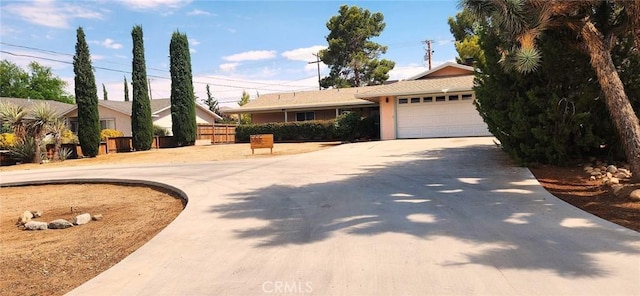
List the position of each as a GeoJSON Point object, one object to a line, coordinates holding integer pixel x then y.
{"type": "Point", "coordinates": [597, 26]}
{"type": "Point", "coordinates": [57, 130]}
{"type": "Point", "coordinates": [13, 115]}
{"type": "Point", "coordinates": [42, 118]}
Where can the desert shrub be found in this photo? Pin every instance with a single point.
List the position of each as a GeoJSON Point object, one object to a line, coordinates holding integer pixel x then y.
{"type": "Point", "coordinates": [110, 133]}
{"type": "Point", "coordinates": [65, 152]}
{"type": "Point", "coordinates": [7, 140]}
{"type": "Point", "coordinates": [159, 131]}
{"type": "Point", "coordinates": [24, 150]}
{"type": "Point", "coordinates": [68, 137]}
{"type": "Point", "coordinates": [314, 130]}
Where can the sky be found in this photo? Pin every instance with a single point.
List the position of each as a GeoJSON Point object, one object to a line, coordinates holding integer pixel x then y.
{"type": "Point", "coordinates": [255, 46]}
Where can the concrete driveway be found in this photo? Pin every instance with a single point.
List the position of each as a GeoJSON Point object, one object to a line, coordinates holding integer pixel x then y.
{"type": "Point", "coordinates": [410, 217]}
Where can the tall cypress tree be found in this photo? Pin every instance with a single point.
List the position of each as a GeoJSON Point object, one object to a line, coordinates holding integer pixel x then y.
{"type": "Point", "coordinates": [86, 98]}
{"type": "Point", "coordinates": [141, 123]}
{"type": "Point", "coordinates": [183, 105]}
{"type": "Point", "coordinates": [105, 95]}
{"type": "Point", "coordinates": [126, 90]}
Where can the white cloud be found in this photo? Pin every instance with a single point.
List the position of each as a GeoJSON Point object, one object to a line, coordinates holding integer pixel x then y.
{"type": "Point", "coordinates": [108, 43]}
{"type": "Point", "coordinates": [305, 54]}
{"type": "Point", "coordinates": [254, 55]}
{"type": "Point", "coordinates": [228, 67]}
{"type": "Point", "coordinates": [6, 30]}
{"type": "Point", "coordinates": [50, 14]}
{"type": "Point", "coordinates": [150, 4]}
{"type": "Point", "coordinates": [198, 12]}
{"type": "Point", "coordinates": [194, 41]}
{"type": "Point", "coordinates": [313, 68]}
{"type": "Point", "coordinates": [192, 50]}
{"type": "Point", "coordinates": [97, 57]}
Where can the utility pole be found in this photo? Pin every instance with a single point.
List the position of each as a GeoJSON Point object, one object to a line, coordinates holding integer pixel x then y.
{"type": "Point", "coordinates": [428, 53]}
{"type": "Point", "coordinates": [317, 55]}
{"type": "Point", "coordinates": [150, 96]}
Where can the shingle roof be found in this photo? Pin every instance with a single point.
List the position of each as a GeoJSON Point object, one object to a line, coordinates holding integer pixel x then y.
{"type": "Point", "coordinates": [308, 99]}
{"type": "Point", "coordinates": [59, 107]}
{"type": "Point", "coordinates": [426, 86]}
{"type": "Point", "coordinates": [438, 68]}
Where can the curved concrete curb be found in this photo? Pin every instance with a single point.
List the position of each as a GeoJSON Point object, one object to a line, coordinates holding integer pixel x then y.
{"type": "Point", "coordinates": [181, 194]}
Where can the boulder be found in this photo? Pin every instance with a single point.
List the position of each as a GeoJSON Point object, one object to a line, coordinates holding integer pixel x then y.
{"type": "Point", "coordinates": [35, 225]}
{"type": "Point", "coordinates": [82, 219]}
{"type": "Point", "coordinates": [595, 174]}
{"type": "Point", "coordinates": [36, 214]}
{"type": "Point", "coordinates": [24, 218]}
{"type": "Point", "coordinates": [592, 178]}
{"type": "Point", "coordinates": [635, 195]}
{"type": "Point", "coordinates": [588, 168]}
{"type": "Point", "coordinates": [614, 181]}
{"type": "Point", "coordinates": [60, 224]}
{"type": "Point", "coordinates": [612, 169]}
{"type": "Point", "coordinates": [597, 170]}
{"type": "Point", "coordinates": [620, 175]}
{"type": "Point", "coordinates": [97, 217]}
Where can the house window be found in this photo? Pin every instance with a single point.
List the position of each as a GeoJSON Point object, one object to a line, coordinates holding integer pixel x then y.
{"type": "Point", "coordinates": [73, 124]}
{"type": "Point", "coordinates": [440, 98]}
{"type": "Point", "coordinates": [428, 99]}
{"type": "Point", "coordinates": [304, 116]}
{"type": "Point", "coordinates": [415, 100]}
{"type": "Point", "coordinates": [453, 98]}
{"type": "Point", "coordinates": [467, 96]}
{"type": "Point", "coordinates": [403, 101]}
{"type": "Point", "coordinates": [108, 123]}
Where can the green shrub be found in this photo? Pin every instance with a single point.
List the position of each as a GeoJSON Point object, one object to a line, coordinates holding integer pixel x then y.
{"type": "Point", "coordinates": [110, 133]}
{"type": "Point", "coordinates": [68, 137]}
{"type": "Point", "coordinates": [352, 126]}
{"type": "Point", "coordinates": [159, 131]}
{"type": "Point", "coordinates": [316, 130]}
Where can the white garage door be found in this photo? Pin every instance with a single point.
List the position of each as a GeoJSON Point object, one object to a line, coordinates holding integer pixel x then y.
{"type": "Point", "coordinates": [439, 116]}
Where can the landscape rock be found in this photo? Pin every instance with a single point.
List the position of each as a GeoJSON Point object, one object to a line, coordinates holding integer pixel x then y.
{"type": "Point", "coordinates": [36, 214]}
{"type": "Point", "coordinates": [597, 170]}
{"type": "Point", "coordinates": [592, 178]}
{"type": "Point", "coordinates": [621, 175]}
{"type": "Point", "coordinates": [588, 168]}
{"type": "Point", "coordinates": [616, 188]}
{"type": "Point", "coordinates": [97, 217]}
{"type": "Point", "coordinates": [614, 181]}
{"type": "Point", "coordinates": [612, 169]}
{"type": "Point", "coordinates": [82, 219]}
{"type": "Point", "coordinates": [635, 195]}
{"type": "Point", "coordinates": [24, 218]}
{"type": "Point", "coordinates": [60, 224]}
{"type": "Point", "coordinates": [35, 225]}
{"type": "Point", "coordinates": [596, 174]}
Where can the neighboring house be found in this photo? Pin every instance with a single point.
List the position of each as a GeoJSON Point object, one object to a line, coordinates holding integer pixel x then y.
{"type": "Point", "coordinates": [436, 103]}
{"type": "Point", "coordinates": [117, 114]}
{"type": "Point", "coordinates": [307, 105]}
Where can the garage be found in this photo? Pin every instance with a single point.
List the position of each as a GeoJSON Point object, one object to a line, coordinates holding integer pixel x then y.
{"type": "Point", "coordinates": [439, 116]}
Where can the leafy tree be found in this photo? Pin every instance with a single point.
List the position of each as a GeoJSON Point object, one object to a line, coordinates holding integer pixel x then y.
{"type": "Point", "coordinates": [351, 56]}
{"type": "Point", "coordinates": [465, 28]}
{"type": "Point", "coordinates": [104, 93]}
{"type": "Point", "coordinates": [183, 105]}
{"type": "Point", "coordinates": [38, 83]}
{"type": "Point", "coordinates": [244, 118]}
{"type": "Point", "coordinates": [212, 102]}
{"type": "Point", "coordinates": [126, 90]}
{"type": "Point", "coordinates": [141, 122]}
{"type": "Point", "coordinates": [86, 98]}
{"type": "Point", "coordinates": [599, 26]}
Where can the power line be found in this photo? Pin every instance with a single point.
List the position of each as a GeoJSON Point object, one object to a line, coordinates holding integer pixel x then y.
{"type": "Point", "coordinates": [164, 77]}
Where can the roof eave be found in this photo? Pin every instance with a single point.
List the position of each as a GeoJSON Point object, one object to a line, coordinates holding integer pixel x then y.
{"type": "Point", "coordinates": [301, 106]}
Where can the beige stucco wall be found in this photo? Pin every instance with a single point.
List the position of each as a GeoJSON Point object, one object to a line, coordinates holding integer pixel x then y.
{"type": "Point", "coordinates": [122, 121]}
{"type": "Point", "coordinates": [258, 118]}
{"type": "Point", "coordinates": [164, 118]}
{"type": "Point", "coordinates": [387, 118]}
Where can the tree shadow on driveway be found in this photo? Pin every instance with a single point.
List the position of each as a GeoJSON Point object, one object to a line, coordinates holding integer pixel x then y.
{"type": "Point", "coordinates": [470, 194]}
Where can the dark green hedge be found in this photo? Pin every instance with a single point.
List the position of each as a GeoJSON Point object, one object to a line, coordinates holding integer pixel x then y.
{"type": "Point", "coordinates": [317, 130]}
{"type": "Point", "coordinates": [347, 127]}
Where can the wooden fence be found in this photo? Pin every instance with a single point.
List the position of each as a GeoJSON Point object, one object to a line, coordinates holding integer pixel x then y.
{"type": "Point", "coordinates": [218, 133]}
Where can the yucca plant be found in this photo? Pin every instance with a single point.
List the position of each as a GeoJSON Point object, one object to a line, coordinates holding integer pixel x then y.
{"type": "Point", "coordinates": [43, 118]}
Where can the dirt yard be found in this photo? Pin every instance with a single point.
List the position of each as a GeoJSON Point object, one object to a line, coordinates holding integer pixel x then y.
{"type": "Point", "coordinates": [53, 262]}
